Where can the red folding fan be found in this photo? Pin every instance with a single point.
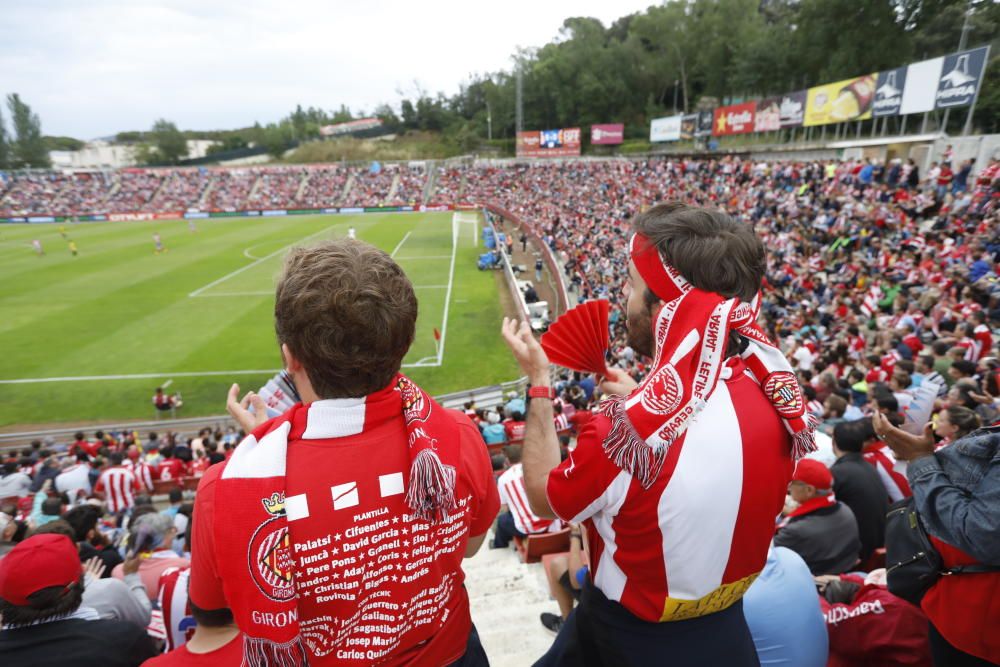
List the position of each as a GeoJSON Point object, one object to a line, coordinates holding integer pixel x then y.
{"type": "Point", "coordinates": [579, 339]}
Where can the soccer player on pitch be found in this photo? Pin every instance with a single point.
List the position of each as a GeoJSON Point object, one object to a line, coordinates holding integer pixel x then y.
{"type": "Point", "coordinates": [158, 243]}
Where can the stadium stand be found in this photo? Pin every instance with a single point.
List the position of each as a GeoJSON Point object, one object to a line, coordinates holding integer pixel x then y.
{"type": "Point", "coordinates": [880, 284]}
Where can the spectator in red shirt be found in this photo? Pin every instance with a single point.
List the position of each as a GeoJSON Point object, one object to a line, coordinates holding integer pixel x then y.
{"type": "Point", "coordinates": [358, 503]}
{"type": "Point", "coordinates": [514, 427]}
{"type": "Point", "coordinates": [171, 467]}
{"type": "Point", "coordinates": [81, 444]}
{"type": "Point", "coordinates": [216, 643]}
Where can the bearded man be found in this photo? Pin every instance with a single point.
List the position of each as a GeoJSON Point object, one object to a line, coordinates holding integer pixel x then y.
{"type": "Point", "coordinates": [678, 479]}
{"type": "Point", "coordinates": [335, 533]}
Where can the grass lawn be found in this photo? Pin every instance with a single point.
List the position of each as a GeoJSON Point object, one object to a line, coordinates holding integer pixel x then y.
{"type": "Point", "coordinates": [199, 315]}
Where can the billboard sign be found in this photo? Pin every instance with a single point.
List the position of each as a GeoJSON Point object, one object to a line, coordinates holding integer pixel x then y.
{"type": "Point", "coordinates": [793, 109]}
{"type": "Point", "coordinates": [350, 127]}
{"type": "Point", "coordinates": [734, 119]}
{"type": "Point", "coordinates": [921, 86]}
{"type": "Point", "coordinates": [689, 126]}
{"type": "Point", "coordinates": [549, 143]}
{"type": "Point", "coordinates": [704, 124]}
{"type": "Point", "coordinates": [889, 87]}
{"type": "Point", "coordinates": [767, 118]}
{"type": "Point", "coordinates": [961, 75]}
{"type": "Point", "coordinates": [665, 129]}
{"type": "Point", "coordinates": [607, 134]}
{"type": "Point", "coordinates": [850, 99]}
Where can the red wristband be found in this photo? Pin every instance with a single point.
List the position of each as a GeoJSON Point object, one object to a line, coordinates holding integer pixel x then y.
{"type": "Point", "coordinates": [542, 392]}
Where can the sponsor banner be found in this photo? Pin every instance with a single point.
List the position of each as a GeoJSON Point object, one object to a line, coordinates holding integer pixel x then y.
{"type": "Point", "coordinates": [303, 211]}
{"type": "Point", "coordinates": [705, 119]}
{"type": "Point", "coordinates": [767, 117]}
{"type": "Point", "coordinates": [734, 119]}
{"type": "Point", "coordinates": [433, 207]}
{"type": "Point", "coordinates": [406, 208]}
{"type": "Point", "coordinates": [273, 213]}
{"type": "Point", "coordinates": [607, 134]}
{"type": "Point", "coordinates": [921, 86]}
{"type": "Point", "coordinates": [665, 129]}
{"type": "Point", "coordinates": [92, 218]}
{"type": "Point", "coordinates": [689, 126]}
{"type": "Point", "coordinates": [850, 99]}
{"type": "Point", "coordinates": [381, 209]}
{"type": "Point", "coordinates": [793, 108]}
{"type": "Point", "coordinates": [195, 215]}
{"type": "Point", "coordinates": [961, 76]}
{"type": "Point", "coordinates": [14, 219]}
{"type": "Point", "coordinates": [330, 210]}
{"type": "Point", "coordinates": [549, 143]}
{"type": "Point", "coordinates": [352, 210]}
{"type": "Point", "coordinates": [350, 127]}
{"type": "Point", "coordinates": [889, 88]}
{"type": "Point", "coordinates": [230, 214]}
{"type": "Point", "coordinates": [42, 218]}
{"type": "Point", "coordinates": [120, 217]}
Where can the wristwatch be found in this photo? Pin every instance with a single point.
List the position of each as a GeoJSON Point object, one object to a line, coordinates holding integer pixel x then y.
{"type": "Point", "coordinates": [542, 392]}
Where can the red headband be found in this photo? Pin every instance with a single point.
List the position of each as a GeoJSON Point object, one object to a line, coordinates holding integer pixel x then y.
{"type": "Point", "coordinates": [664, 280]}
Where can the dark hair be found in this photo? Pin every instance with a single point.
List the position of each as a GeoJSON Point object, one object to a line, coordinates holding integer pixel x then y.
{"type": "Point", "coordinates": [116, 459]}
{"type": "Point", "coordinates": [837, 404]}
{"type": "Point", "coordinates": [44, 604]}
{"type": "Point", "coordinates": [852, 436]}
{"type": "Point", "coordinates": [713, 251]}
{"type": "Point", "coordinates": [964, 419]}
{"type": "Point", "coordinates": [79, 435]}
{"type": "Point", "coordinates": [10, 467]}
{"type": "Point", "coordinates": [211, 618]}
{"type": "Point", "coordinates": [57, 527]}
{"type": "Point", "coordinates": [964, 366]}
{"type": "Point", "coordinates": [83, 519]}
{"type": "Point", "coordinates": [513, 453]}
{"type": "Point", "coordinates": [886, 402]}
{"type": "Point", "coordinates": [347, 311]}
{"type": "Point", "coordinates": [175, 495]}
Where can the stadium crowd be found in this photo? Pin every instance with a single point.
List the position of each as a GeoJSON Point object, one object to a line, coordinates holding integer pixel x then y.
{"type": "Point", "coordinates": [881, 287]}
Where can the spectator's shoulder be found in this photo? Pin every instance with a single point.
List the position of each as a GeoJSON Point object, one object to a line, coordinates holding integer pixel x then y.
{"type": "Point", "coordinates": [210, 477]}
{"type": "Point", "coordinates": [465, 425]}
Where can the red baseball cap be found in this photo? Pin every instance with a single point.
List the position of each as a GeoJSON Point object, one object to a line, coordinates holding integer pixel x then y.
{"type": "Point", "coordinates": [813, 473]}
{"type": "Point", "coordinates": [38, 562]}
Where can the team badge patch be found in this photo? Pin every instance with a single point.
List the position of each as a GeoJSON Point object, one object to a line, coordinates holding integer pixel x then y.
{"type": "Point", "coordinates": [416, 408]}
{"type": "Point", "coordinates": [782, 389]}
{"type": "Point", "coordinates": [662, 394]}
{"type": "Point", "coordinates": [269, 556]}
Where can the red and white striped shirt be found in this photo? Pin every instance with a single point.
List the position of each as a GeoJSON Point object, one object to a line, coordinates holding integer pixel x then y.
{"type": "Point", "coordinates": [175, 606]}
{"type": "Point", "coordinates": [890, 471]}
{"type": "Point", "coordinates": [692, 543]}
{"type": "Point", "coordinates": [561, 422]}
{"type": "Point", "coordinates": [512, 494]}
{"type": "Point", "coordinates": [143, 474]}
{"type": "Point", "coordinates": [119, 486]}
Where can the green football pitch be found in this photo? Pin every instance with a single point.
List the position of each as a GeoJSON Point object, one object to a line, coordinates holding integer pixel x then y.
{"type": "Point", "coordinates": [88, 338]}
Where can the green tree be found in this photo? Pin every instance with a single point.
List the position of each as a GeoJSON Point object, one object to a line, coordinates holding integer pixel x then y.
{"type": "Point", "coordinates": [4, 146]}
{"type": "Point", "coordinates": [276, 138]}
{"type": "Point", "coordinates": [168, 141]}
{"type": "Point", "coordinates": [27, 148]}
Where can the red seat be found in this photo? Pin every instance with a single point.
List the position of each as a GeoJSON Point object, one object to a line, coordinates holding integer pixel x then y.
{"type": "Point", "coordinates": [533, 547]}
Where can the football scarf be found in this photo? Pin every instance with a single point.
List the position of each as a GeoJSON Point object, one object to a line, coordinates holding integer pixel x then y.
{"type": "Point", "coordinates": [691, 333]}
{"type": "Point", "coordinates": [808, 507]}
{"type": "Point", "coordinates": [254, 559]}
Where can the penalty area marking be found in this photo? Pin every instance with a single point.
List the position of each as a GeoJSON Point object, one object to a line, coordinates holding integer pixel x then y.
{"type": "Point", "coordinates": [198, 292]}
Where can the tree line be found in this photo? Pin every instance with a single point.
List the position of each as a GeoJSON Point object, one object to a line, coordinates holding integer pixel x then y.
{"type": "Point", "coordinates": [22, 146]}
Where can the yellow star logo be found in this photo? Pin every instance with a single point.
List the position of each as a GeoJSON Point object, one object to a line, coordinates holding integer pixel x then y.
{"type": "Point", "coordinates": [720, 124]}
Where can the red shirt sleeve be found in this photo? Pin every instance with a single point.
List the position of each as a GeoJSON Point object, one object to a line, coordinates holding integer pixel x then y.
{"type": "Point", "coordinates": [577, 487]}
{"type": "Point", "coordinates": [205, 586]}
{"type": "Point", "coordinates": [478, 470]}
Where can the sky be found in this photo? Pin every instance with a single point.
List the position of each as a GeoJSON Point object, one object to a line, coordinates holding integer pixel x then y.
{"type": "Point", "coordinates": [92, 68]}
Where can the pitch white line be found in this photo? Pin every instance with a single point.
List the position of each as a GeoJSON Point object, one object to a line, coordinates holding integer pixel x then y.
{"type": "Point", "coordinates": [400, 259]}
{"type": "Point", "coordinates": [151, 376]}
{"type": "Point", "coordinates": [240, 270]}
{"type": "Point", "coordinates": [400, 244]}
{"type": "Point", "coordinates": [215, 294]}
{"type": "Point", "coordinates": [447, 296]}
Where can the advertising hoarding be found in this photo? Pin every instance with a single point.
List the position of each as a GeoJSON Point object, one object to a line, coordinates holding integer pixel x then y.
{"type": "Point", "coordinates": [665, 129]}
{"type": "Point", "coordinates": [607, 134]}
{"type": "Point", "coordinates": [549, 143]}
{"type": "Point", "coordinates": [961, 75]}
{"type": "Point", "coordinates": [921, 86]}
{"type": "Point", "coordinates": [734, 119]}
{"type": "Point", "coordinates": [850, 99]}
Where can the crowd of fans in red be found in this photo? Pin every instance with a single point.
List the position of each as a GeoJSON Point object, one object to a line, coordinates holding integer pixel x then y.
{"type": "Point", "coordinates": [878, 282]}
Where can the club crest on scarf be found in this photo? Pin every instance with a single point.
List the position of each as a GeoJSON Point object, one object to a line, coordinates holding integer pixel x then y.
{"type": "Point", "coordinates": [415, 406]}
{"type": "Point", "coordinates": [692, 332]}
{"type": "Point", "coordinates": [782, 389]}
{"type": "Point", "coordinates": [269, 555]}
